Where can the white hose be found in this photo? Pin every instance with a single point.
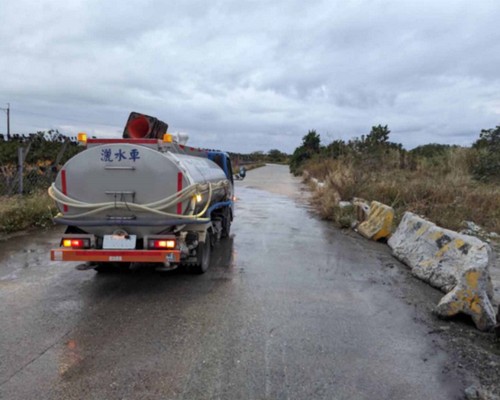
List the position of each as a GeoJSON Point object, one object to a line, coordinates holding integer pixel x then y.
{"type": "Point", "coordinates": [155, 207]}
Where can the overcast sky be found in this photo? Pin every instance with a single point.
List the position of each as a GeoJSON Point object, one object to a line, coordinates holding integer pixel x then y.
{"type": "Point", "coordinates": [254, 75]}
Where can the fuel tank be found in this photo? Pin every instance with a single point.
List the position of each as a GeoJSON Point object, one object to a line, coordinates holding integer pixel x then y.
{"type": "Point", "coordinates": [106, 183]}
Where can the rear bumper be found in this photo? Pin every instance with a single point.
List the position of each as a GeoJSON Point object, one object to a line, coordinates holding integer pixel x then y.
{"type": "Point", "coordinates": [145, 256]}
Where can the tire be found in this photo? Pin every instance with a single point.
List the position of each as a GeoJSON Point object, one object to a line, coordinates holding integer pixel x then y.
{"type": "Point", "coordinates": [226, 223]}
{"type": "Point", "coordinates": [203, 251]}
{"type": "Point", "coordinates": [105, 268]}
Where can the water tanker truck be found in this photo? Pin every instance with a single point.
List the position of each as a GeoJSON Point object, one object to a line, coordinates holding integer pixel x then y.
{"type": "Point", "coordinates": [146, 198]}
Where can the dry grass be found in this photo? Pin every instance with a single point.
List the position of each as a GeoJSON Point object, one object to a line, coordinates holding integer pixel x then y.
{"type": "Point", "coordinates": [19, 213]}
{"type": "Point", "coordinates": [443, 192]}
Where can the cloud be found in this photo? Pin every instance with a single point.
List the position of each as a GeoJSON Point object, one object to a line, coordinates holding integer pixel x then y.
{"type": "Point", "coordinates": [254, 75]}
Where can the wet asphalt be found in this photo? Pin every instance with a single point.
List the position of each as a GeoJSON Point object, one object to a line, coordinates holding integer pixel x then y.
{"type": "Point", "coordinates": [291, 308]}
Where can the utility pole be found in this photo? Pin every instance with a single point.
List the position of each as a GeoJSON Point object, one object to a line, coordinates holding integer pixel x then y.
{"type": "Point", "coordinates": [20, 156]}
{"type": "Point", "coordinates": [7, 110]}
{"type": "Point", "coordinates": [8, 120]}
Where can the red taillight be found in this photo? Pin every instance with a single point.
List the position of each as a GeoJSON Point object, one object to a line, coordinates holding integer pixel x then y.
{"type": "Point", "coordinates": [162, 244]}
{"type": "Point", "coordinates": [76, 243]}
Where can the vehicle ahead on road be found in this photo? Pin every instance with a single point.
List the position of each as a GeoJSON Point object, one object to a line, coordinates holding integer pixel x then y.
{"type": "Point", "coordinates": [145, 198]}
{"type": "Point", "coordinates": [241, 173]}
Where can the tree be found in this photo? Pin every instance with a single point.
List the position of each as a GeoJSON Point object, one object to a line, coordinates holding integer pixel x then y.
{"type": "Point", "coordinates": [299, 156]}
{"type": "Point", "coordinates": [44, 146]}
{"type": "Point", "coordinates": [379, 135]}
{"type": "Point", "coordinates": [489, 139]}
{"type": "Point", "coordinates": [311, 142]}
{"type": "Point", "coordinates": [336, 149]}
{"type": "Point", "coordinates": [275, 155]}
{"type": "Point", "coordinates": [257, 156]}
{"type": "Point", "coordinates": [488, 148]}
{"type": "Point", "coordinates": [376, 151]}
{"type": "Point", "coordinates": [431, 150]}
{"type": "Point", "coordinates": [311, 145]}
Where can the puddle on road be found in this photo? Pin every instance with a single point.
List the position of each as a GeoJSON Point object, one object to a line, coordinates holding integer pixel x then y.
{"type": "Point", "coordinates": [278, 180]}
{"type": "Point", "coordinates": [24, 251]}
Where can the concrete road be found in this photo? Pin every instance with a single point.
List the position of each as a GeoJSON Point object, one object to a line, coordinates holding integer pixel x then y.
{"type": "Point", "coordinates": [291, 308]}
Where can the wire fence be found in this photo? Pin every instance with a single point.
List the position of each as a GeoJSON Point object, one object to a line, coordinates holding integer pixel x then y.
{"type": "Point", "coordinates": [29, 179]}
{"type": "Point", "coordinates": [30, 163]}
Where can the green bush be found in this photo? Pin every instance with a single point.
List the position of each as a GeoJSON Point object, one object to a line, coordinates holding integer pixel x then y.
{"type": "Point", "coordinates": [488, 155]}
{"type": "Point", "coordinates": [311, 146]}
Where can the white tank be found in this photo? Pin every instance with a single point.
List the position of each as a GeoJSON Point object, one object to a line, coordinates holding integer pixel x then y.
{"type": "Point", "coordinates": [134, 174]}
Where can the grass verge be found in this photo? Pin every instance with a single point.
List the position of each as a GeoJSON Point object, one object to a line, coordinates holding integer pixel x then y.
{"type": "Point", "coordinates": [18, 213]}
{"type": "Point", "coordinates": [443, 194]}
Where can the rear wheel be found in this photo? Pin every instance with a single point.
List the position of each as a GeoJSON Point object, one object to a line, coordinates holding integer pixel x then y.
{"type": "Point", "coordinates": [105, 268]}
{"type": "Point", "coordinates": [203, 252]}
{"type": "Point", "coordinates": [226, 223]}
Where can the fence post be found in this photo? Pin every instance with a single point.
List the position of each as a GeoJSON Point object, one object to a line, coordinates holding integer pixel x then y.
{"type": "Point", "coordinates": [20, 156]}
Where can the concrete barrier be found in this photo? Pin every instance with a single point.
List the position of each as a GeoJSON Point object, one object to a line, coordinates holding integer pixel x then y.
{"type": "Point", "coordinates": [317, 183]}
{"type": "Point", "coordinates": [378, 225]}
{"type": "Point", "coordinates": [455, 263]}
{"type": "Point", "coordinates": [306, 177]}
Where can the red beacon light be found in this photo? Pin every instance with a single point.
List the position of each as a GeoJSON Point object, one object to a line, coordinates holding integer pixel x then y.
{"type": "Point", "coordinates": [141, 126]}
{"type": "Point", "coordinates": [138, 127]}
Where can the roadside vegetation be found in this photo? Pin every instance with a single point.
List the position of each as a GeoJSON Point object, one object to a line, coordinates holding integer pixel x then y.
{"type": "Point", "coordinates": [43, 148]}
{"type": "Point", "coordinates": [273, 156]}
{"type": "Point", "coordinates": [44, 153]}
{"type": "Point", "coordinates": [19, 213]}
{"type": "Point", "coordinates": [447, 184]}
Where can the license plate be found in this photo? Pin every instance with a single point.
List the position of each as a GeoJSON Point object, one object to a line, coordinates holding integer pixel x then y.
{"type": "Point", "coordinates": [119, 242]}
